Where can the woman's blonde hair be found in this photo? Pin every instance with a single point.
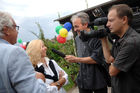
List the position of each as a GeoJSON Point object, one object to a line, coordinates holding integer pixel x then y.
{"type": "Point", "coordinates": [34, 51]}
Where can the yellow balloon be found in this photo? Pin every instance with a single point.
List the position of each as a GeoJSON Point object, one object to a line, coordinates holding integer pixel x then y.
{"type": "Point", "coordinates": [63, 32]}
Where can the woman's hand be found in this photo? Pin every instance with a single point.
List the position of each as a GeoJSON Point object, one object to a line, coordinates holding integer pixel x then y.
{"type": "Point", "coordinates": [40, 76]}
{"type": "Point", "coordinates": [56, 84]}
{"type": "Point", "coordinates": [61, 80]}
{"type": "Point", "coordinates": [61, 74]}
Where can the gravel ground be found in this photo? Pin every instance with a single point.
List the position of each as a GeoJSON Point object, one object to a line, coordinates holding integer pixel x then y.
{"type": "Point", "coordinates": [75, 90]}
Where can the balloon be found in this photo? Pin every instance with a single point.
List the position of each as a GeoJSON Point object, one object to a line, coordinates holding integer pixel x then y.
{"type": "Point", "coordinates": [63, 32]}
{"type": "Point", "coordinates": [68, 26]}
{"type": "Point", "coordinates": [57, 29]}
{"type": "Point", "coordinates": [19, 40]}
{"type": "Point", "coordinates": [61, 39]}
{"type": "Point", "coordinates": [24, 43]}
{"type": "Point", "coordinates": [23, 46]}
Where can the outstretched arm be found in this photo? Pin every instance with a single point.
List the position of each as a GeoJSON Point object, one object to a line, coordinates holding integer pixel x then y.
{"type": "Point", "coordinates": [73, 59]}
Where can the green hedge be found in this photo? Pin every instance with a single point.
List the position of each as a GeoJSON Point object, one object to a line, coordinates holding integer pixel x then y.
{"type": "Point", "coordinates": [70, 68]}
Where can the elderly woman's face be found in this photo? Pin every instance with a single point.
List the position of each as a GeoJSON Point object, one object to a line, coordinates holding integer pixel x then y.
{"type": "Point", "coordinates": [43, 50]}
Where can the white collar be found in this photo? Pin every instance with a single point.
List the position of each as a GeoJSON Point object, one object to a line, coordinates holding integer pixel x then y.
{"type": "Point", "coordinates": [47, 62]}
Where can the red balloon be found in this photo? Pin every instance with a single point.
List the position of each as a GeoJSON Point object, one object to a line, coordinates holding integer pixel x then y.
{"type": "Point", "coordinates": [23, 46]}
{"type": "Point", "coordinates": [61, 39]}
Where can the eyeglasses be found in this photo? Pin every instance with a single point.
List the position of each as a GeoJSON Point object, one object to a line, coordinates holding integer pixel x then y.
{"type": "Point", "coordinates": [17, 27]}
{"type": "Point", "coordinates": [14, 27]}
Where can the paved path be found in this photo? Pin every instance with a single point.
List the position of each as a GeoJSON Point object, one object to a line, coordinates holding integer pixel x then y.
{"type": "Point", "coordinates": [75, 90]}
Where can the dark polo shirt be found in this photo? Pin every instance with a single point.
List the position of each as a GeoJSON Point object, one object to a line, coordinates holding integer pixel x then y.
{"type": "Point", "coordinates": [126, 52]}
{"type": "Point", "coordinates": [90, 77]}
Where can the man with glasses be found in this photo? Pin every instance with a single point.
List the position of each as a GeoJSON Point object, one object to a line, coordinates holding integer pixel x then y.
{"type": "Point", "coordinates": [17, 75]}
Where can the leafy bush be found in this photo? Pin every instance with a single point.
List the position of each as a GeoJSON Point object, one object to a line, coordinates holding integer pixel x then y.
{"type": "Point", "coordinates": [70, 68]}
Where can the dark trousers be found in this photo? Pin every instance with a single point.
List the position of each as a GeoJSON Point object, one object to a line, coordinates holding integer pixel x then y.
{"type": "Point", "coordinates": [103, 90]}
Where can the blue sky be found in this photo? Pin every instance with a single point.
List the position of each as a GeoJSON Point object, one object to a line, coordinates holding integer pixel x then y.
{"type": "Point", "coordinates": [27, 12]}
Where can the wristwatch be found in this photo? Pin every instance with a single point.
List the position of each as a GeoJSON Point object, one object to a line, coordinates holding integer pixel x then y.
{"type": "Point", "coordinates": [58, 84]}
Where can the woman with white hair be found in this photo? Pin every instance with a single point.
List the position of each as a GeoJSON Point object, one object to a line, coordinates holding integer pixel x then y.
{"type": "Point", "coordinates": [54, 74]}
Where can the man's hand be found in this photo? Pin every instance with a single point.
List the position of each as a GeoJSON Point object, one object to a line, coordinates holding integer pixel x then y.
{"type": "Point", "coordinates": [71, 58]}
{"type": "Point", "coordinates": [40, 76]}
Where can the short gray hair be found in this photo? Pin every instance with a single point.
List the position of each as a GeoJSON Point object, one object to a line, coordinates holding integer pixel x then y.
{"type": "Point", "coordinates": [83, 16]}
{"type": "Point", "coordinates": [5, 20]}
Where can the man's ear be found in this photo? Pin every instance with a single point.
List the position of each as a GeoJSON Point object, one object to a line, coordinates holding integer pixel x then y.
{"type": "Point", "coordinates": [5, 31]}
{"type": "Point", "coordinates": [125, 19]}
{"type": "Point", "coordinates": [86, 25]}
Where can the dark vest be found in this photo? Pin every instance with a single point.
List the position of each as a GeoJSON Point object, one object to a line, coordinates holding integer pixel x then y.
{"type": "Point", "coordinates": [41, 69]}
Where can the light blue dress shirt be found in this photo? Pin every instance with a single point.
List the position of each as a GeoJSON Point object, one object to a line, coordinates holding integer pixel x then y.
{"type": "Point", "coordinates": [17, 74]}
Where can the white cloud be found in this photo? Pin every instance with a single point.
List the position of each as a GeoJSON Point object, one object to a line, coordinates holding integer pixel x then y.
{"type": "Point", "coordinates": [35, 8]}
{"type": "Point", "coordinates": [27, 12]}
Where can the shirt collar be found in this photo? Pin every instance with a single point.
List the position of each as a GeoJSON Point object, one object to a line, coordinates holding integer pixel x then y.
{"type": "Point", "coordinates": [47, 62]}
{"type": "Point", "coordinates": [39, 64]}
{"type": "Point", "coordinates": [129, 30]}
{"type": "Point", "coordinates": [4, 41]}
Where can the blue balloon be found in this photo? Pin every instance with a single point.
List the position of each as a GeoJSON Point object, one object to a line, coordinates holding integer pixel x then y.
{"type": "Point", "coordinates": [68, 26]}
